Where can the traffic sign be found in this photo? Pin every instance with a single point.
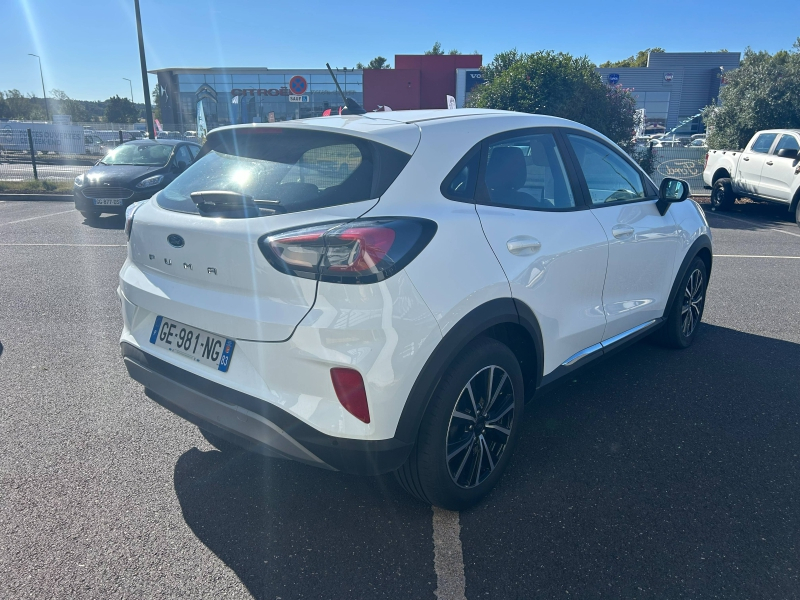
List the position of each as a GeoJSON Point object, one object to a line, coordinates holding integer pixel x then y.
{"type": "Point", "coordinates": [613, 78]}
{"type": "Point", "coordinates": [298, 85]}
{"type": "Point", "coordinates": [298, 99]}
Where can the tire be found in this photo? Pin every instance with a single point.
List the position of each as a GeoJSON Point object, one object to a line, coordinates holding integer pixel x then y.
{"type": "Point", "coordinates": [90, 215]}
{"type": "Point", "coordinates": [479, 449]}
{"type": "Point", "coordinates": [722, 197]}
{"type": "Point", "coordinates": [797, 214]}
{"type": "Point", "coordinates": [682, 322]}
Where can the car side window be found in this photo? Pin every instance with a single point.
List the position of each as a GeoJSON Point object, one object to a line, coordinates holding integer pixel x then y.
{"type": "Point", "coordinates": [193, 150]}
{"type": "Point", "coordinates": [609, 177]}
{"type": "Point", "coordinates": [787, 142]}
{"type": "Point", "coordinates": [527, 172]}
{"type": "Point", "coordinates": [460, 185]}
{"type": "Point", "coordinates": [763, 143]}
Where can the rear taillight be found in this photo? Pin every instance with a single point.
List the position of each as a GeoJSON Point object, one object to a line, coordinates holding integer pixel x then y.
{"type": "Point", "coordinates": [129, 212]}
{"type": "Point", "coordinates": [705, 164]}
{"type": "Point", "coordinates": [359, 251]}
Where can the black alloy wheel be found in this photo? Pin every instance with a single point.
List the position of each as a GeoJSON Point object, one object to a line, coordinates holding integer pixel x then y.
{"type": "Point", "coordinates": [469, 430]}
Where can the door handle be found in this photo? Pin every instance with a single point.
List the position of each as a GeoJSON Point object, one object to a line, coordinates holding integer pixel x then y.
{"type": "Point", "coordinates": [523, 245]}
{"type": "Point", "coordinates": [745, 158]}
{"type": "Point", "coordinates": [622, 231]}
{"type": "Point", "coordinates": [769, 162]}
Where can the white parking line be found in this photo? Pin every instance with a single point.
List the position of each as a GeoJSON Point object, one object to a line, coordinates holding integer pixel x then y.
{"type": "Point", "coordinates": [39, 217]}
{"type": "Point", "coordinates": [73, 245]}
{"type": "Point", "coordinates": [751, 256]}
{"type": "Point", "coordinates": [716, 214]}
{"type": "Point", "coordinates": [448, 557]}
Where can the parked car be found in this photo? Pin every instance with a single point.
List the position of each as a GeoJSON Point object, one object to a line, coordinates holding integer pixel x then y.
{"type": "Point", "coordinates": [95, 145]}
{"type": "Point", "coordinates": [767, 169]}
{"type": "Point", "coordinates": [396, 316]}
{"type": "Point", "coordinates": [130, 172]}
{"type": "Point", "coordinates": [698, 143]}
{"type": "Point", "coordinates": [190, 135]}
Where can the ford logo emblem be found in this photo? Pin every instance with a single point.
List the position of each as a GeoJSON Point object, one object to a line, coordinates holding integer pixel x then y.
{"type": "Point", "coordinates": [175, 240]}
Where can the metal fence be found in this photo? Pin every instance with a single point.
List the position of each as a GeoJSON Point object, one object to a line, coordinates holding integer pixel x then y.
{"type": "Point", "coordinates": [58, 153]}
{"type": "Point", "coordinates": [681, 163]}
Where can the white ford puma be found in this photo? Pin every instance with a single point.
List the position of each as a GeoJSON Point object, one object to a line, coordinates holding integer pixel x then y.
{"type": "Point", "coordinates": [383, 292]}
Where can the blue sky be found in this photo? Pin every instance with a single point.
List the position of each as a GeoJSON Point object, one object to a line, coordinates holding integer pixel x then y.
{"type": "Point", "coordinates": [88, 46]}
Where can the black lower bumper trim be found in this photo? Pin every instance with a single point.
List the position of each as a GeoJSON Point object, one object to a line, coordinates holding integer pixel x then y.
{"type": "Point", "coordinates": [176, 390]}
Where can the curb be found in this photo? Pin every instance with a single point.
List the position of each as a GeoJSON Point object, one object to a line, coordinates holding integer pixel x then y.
{"type": "Point", "coordinates": [35, 197]}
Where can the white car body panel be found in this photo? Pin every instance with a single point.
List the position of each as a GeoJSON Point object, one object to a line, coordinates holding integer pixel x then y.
{"type": "Point", "coordinates": [562, 282]}
{"type": "Point", "coordinates": [639, 274]}
{"type": "Point", "coordinates": [246, 298]}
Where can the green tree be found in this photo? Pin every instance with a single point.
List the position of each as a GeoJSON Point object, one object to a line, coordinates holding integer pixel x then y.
{"type": "Point", "coordinates": [435, 51]}
{"type": "Point", "coordinates": [638, 60]}
{"type": "Point", "coordinates": [763, 93]}
{"type": "Point", "coordinates": [561, 85]}
{"type": "Point", "coordinates": [454, 52]}
{"type": "Point", "coordinates": [378, 62]}
{"type": "Point", "coordinates": [63, 104]}
{"type": "Point", "coordinates": [17, 105]}
{"type": "Point", "coordinates": [120, 110]}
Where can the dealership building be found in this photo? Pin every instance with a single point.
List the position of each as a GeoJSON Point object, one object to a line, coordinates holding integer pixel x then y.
{"type": "Point", "coordinates": [672, 88]}
{"type": "Point", "coordinates": [261, 95]}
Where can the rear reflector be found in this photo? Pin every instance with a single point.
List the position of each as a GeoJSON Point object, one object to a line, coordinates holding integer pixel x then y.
{"type": "Point", "coordinates": [349, 387]}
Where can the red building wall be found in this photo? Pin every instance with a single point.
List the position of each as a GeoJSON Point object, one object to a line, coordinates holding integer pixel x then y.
{"type": "Point", "coordinates": [417, 81]}
{"type": "Point", "coordinates": [437, 74]}
{"type": "Point", "coordinates": [396, 88]}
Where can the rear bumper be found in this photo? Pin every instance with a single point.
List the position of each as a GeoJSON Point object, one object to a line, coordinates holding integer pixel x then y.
{"type": "Point", "coordinates": [254, 424]}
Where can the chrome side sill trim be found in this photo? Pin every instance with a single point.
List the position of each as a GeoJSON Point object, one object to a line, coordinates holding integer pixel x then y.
{"type": "Point", "coordinates": [607, 343]}
{"type": "Point", "coordinates": [617, 338]}
{"type": "Point", "coordinates": [579, 355]}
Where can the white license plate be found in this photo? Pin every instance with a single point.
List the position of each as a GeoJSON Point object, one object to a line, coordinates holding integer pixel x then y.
{"type": "Point", "coordinates": [201, 346]}
{"type": "Point", "coordinates": [108, 201]}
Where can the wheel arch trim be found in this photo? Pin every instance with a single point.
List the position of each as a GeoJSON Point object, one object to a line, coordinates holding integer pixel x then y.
{"type": "Point", "coordinates": [700, 247]}
{"type": "Point", "coordinates": [478, 321]}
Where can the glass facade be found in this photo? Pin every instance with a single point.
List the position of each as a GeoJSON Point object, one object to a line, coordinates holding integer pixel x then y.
{"type": "Point", "coordinates": [230, 98]}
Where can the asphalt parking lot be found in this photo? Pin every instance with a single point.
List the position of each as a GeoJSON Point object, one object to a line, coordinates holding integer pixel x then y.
{"type": "Point", "coordinates": [654, 474]}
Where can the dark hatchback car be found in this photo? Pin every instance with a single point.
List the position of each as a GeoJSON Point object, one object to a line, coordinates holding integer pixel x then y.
{"type": "Point", "coordinates": [131, 172]}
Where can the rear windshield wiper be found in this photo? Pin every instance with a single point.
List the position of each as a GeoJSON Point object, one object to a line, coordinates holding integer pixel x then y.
{"type": "Point", "coordinates": [232, 205]}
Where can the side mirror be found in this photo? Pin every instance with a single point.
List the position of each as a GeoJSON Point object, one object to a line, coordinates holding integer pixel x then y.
{"type": "Point", "coordinates": [788, 153]}
{"type": "Point", "coordinates": [671, 190]}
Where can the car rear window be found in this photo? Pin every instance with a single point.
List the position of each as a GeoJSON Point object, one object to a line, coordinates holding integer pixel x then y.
{"type": "Point", "coordinates": [287, 170]}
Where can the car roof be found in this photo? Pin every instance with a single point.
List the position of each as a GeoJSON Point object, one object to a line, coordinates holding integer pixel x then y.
{"type": "Point", "coordinates": [400, 129]}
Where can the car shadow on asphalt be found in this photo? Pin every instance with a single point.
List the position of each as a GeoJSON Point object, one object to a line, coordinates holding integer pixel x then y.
{"type": "Point", "coordinates": [288, 530]}
{"type": "Point", "coordinates": [106, 222]}
{"type": "Point", "coordinates": [759, 215]}
{"type": "Point", "coordinates": [655, 473]}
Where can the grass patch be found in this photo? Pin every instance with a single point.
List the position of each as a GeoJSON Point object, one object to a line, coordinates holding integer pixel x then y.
{"type": "Point", "coordinates": [36, 187]}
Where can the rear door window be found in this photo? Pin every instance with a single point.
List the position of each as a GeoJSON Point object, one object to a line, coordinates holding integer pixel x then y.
{"type": "Point", "coordinates": [763, 143]}
{"type": "Point", "coordinates": [288, 169]}
{"type": "Point", "coordinates": [527, 172]}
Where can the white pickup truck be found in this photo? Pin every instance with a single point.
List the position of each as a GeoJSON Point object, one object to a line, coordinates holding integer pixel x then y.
{"type": "Point", "coordinates": [767, 169]}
